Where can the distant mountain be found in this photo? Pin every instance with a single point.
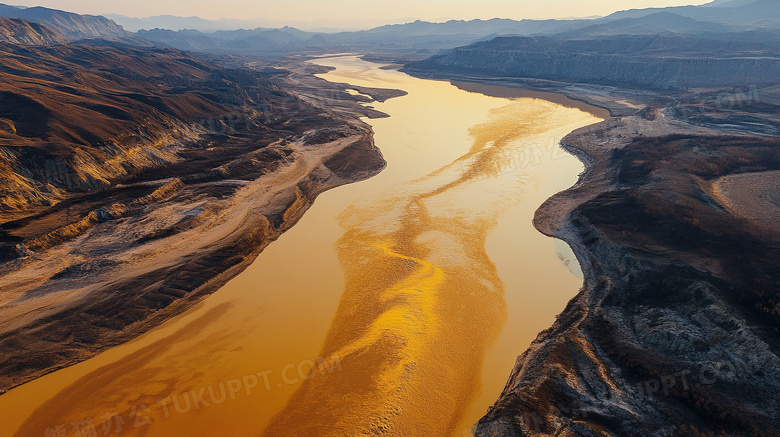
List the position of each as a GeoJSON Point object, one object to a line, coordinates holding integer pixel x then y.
{"type": "Point", "coordinates": [480, 27]}
{"type": "Point", "coordinates": [71, 26]}
{"type": "Point", "coordinates": [18, 31]}
{"type": "Point", "coordinates": [653, 24]}
{"type": "Point", "coordinates": [719, 17]}
{"type": "Point", "coordinates": [171, 22]}
{"type": "Point", "coordinates": [130, 24]}
{"type": "Point", "coordinates": [644, 61]}
{"type": "Point", "coordinates": [742, 13]}
{"type": "Point", "coordinates": [280, 36]}
{"type": "Point", "coordinates": [728, 3]}
{"type": "Point", "coordinates": [182, 40]}
{"type": "Point", "coordinates": [256, 41]}
{"type": "Point", "coordinates": [418, 36]}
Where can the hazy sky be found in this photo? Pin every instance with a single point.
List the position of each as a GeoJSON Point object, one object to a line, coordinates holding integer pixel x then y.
{"type": "Point", "coordinates": [369, 10]}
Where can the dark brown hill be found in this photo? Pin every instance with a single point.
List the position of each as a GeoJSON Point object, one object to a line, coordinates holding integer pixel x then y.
{"type": "Point", "coordinates": [72, 117]}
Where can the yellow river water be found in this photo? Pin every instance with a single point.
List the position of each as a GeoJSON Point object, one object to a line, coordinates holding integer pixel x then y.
{"type": "Point", "coordinates": [397, 306]}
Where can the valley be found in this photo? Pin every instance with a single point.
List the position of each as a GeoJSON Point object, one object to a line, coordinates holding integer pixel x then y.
{"type": "Point", "coordinates": [159, 233]}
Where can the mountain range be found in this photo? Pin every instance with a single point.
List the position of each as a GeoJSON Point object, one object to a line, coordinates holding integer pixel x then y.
{"type": "Point", "coordinates": [421, 36]}
{"type": "Point", "coordinates": [200, 35]}
{"type": "Point", "coordinates": [669, 61]}
{"type": "Point", "coordinates": [172, 22]}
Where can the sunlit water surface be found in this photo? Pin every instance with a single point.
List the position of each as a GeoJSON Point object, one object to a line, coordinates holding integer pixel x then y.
{"type": "Point", "coordinates": [396, 306]}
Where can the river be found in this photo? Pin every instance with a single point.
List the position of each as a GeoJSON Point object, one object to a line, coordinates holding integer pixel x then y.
{"type": "Point", "coordinates": [396, 306]}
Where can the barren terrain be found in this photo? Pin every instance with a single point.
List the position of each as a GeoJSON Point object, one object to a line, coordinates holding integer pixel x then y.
{"type": "Point", "coordinates": [144, 222]}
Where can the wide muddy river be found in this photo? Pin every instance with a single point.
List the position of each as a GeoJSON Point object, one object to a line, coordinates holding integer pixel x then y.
{"type": "Point", "coordinates": [397, 306]}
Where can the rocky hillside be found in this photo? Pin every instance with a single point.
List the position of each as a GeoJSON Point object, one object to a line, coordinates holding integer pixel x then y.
{"type": "Point", "coordinates": [69, 25]}
{"type": "Point", "coordinates": [647, 61]}
{"type": "Point", "coordinates": [402, 38]}
{"type": "Point", "coordinates": [136, 181]}
{"type": "Point", "coordinates": [17, 31]}
{"type": "Point", "coordinates": [675, 332]}
{"type": "Point", "coordinates": [77, 118]}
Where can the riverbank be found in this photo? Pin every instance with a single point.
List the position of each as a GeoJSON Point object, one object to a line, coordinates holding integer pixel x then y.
{"type": "Point", "coordinates": [670, 263]}
{"type": "Point", "coordinates": [162, 243]}
{"type": "Point", "coordinates": [600, 100]}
